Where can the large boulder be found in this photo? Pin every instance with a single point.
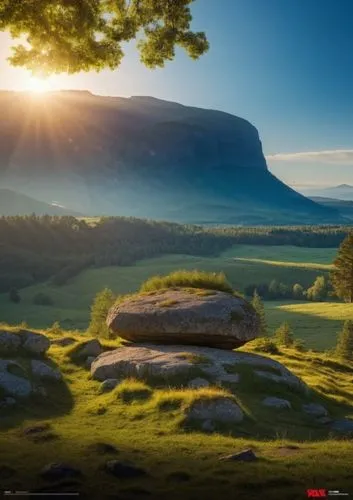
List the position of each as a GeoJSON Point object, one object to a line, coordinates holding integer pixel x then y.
{"type": "Point", "coordinates": [222, 409]}
{"type": "Point", "coordinates": [9, 342]}
{"type": "Point", "coordinates": [34, 343]}
{"type": "Point", "coordinates": [167, 361]}
{"type": "Point", "coordinates": [13, 379]}
{"type": "Point", "coordinates": [43, 371]}
{"type": "Point", "coordinates": [185, 316]}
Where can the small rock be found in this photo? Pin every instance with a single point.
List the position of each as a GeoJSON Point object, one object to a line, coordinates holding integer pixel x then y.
{"type": "Point", "coordinates": [103, 448]}
{"type": "Point", "coordinates": [123, 470]}
{"type": "Point", "coordinates": [43, 371]}
{"type": "Point", "coordinates": [89, 362]}
{"type": "Point", "coordinates": [8, 403]}
{"type": "Point", "coordinates": [91, 348]}
{"type": "Point", "coordinates": [220, 409]}
{"type": "Point", "coordinates": [208, 426]}
{"type": "Point", "coordinates": [276, 403]}
{"type": "Point", "coordinates": [44, 438]}
{"type": "Point", "coordinates": [9, 342]}
{"type": "Point", "coordinates": [65, 341]}
{"type": "Point", "coordinates": [57, 471]}
{"type": "Point", "coordinates": [344, 426]}
{"type": "Point", "coordinates": [198, 382]}
{"type": "Point", "coordinates": [316, 410]}
{"type": "Point", "coordinates": [108, 385]}
{"type": "Point", "coordinates": [34, 343]}
{"type": "Point", "coordinates": [244, 456]}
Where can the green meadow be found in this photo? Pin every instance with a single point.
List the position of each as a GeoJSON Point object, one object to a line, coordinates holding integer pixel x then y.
{"type": "Point", "coordinates": [316, 323]}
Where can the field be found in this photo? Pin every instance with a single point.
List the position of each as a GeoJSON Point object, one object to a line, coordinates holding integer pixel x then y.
{"type": "Point", "coordinates": [243, 265]}
{"type": "Point", "coordinates": [293, 456]}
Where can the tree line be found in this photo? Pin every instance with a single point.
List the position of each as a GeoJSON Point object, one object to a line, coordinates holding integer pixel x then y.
{"type": "Point", "coordinates": [40, 248]}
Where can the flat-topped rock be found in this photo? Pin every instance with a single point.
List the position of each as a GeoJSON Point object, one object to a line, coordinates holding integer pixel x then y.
{"type": "Point", "coordinates": [166, 361]}
{"type": "Point", "coordinates": [185, 316]}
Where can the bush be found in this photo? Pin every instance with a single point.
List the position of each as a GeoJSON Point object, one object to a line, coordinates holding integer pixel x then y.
{"type": "Point", "coordinates": [265, 345]}
{"type": "Point", "coordinates": [103, 301]}
{"type": "Point", "coordinates": [191, 279]}
{"type": "Point", "coordinates": [55, 328]}
{"type": "Point", "coordinates": [299, 345]}
{"type": "Point", "coordinates": [284, 335]}
{"type": "Point", "coordinates": [344, 347]}
{"type": "Point", "coordinates": [42, 299]}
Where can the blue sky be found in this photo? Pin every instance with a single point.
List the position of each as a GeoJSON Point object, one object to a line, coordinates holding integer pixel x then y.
{"type": "Point", "coordinates": [285, 65]}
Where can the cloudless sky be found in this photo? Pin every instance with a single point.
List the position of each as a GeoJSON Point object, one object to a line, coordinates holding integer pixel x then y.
{"type": "Point", "coordinates": [285, 65]}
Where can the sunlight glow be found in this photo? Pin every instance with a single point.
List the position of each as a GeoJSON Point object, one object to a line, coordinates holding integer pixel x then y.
{"type": "Point", "coordinates": [39, 85]}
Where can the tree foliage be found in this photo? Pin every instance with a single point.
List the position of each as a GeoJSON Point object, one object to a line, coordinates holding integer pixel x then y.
{"type": "Point", "coordinates": [318, 291]}
{"type": "Point", "coordinates": [68, 36]}
{"type": "Point", "coordinates": [259, 308]}
{"type": "Point", "coordinates": [284, 335]}
{"type": "Point", "coordinates": [344, 346]}
{"type": "Point", "coordinates": [103, 301]}
{"type": "Point", "coordinates": [342, 274]}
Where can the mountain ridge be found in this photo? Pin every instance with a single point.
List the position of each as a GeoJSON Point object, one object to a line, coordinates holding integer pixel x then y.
{"type": "Point", "coordinates": [143, 156]}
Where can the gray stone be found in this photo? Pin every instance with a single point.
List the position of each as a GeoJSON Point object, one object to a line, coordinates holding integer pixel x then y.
{"type": "Point", "coordinates": [141, 360]}
{"type": "Point", "coordinates": [57, 471]}
{"type": "Point", "coordinates": [91, 348]}
{"type": "Point", "coordinates": [343, 426]}
{"type": "Point", "coordinates": [89, 362]}
{"type": "Point", "coordinates": [9, 342]}
{"type": "Point", "coordinates": [198, 382]}
{"type": "Point", "coordinates": [185, 316]}
{"type": "Point", "coordinates": [108, 385]}
{"type": "Point", "coordinates": [285, 377]}
{"type": "Point", "coordinates": [219, 409]}
{"type": "Point", "coordinates": [40, 391]}
{"type": "Point", "coordinates": [315, 410]}
{"type": "Point", "coordinates": [13, 385]}
{"type": "Point", "coordinates": [276, 403]}
{"type": "Point", "coordinates": [208, 426]}
{"type": "Point", "coordinates": [123, 470]}
{"type": "Point", "coordinates": [43, 371]}
{"type": "Point", "coordinates": [34, 343]}
{"type": "Point", "coordinates": [243, 456]}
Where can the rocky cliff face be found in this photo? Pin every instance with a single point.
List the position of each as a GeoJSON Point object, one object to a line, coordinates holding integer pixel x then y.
{"type": "Point", "coordinates": [144, 157]}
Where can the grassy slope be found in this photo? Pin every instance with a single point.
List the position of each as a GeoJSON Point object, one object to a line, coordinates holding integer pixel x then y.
{"type": "Point", "coordinates": [72, 301]}
{"type": "Point", "coordinates": [155, 440]}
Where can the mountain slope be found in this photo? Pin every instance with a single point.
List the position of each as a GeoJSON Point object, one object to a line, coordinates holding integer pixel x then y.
{"type": "Point", "coordinates": [144, 157]}
{"type": "Point", "coordinates": [13, 203]}
{"type": "Point", "coordinates": [344, 207]}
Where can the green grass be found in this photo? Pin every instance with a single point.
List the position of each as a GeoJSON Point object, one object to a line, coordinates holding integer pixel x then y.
{"type": "Point", "coordinates": [72, 301]}
{"type": "Point", "coordinates": [149, 432]}
{"type": "Point", "coordinates": [317, 323]}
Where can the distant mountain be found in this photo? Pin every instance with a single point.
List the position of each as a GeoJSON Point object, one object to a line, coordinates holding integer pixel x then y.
{"type": "Point", "coordinates": [13, 203]}
{"type": "Point", "coordinates": [344, 207]}
{"type": "Point", "coordinates": [144, 157]}
{"type": "Point", "coordinates": [341, 192]}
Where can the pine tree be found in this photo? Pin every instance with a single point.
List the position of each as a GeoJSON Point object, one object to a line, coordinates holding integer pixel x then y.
{"type": "Point", "coordinates": [344, 346]}
{"type": "Point", "coordinates": [103, 301]}
{"type": "Point", "coordinates": [284, 335]}
{"type": "Point", "coordinates": [259, 308]}
{"type": "Point", "coordinates": [342, 274]}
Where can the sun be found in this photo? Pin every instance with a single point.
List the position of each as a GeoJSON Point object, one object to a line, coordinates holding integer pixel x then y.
{"type": "Point", "coordinates": [39, 85]}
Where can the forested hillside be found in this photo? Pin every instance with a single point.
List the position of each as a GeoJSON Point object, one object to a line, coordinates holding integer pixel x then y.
{"type": "Point", "coordinates": [34, 249]}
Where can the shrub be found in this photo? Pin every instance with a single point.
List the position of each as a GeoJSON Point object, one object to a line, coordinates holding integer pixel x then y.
{"type": "Point", "coordinates": [42, 299]}
{"type": "Point", "coordinates": [284, 335]}
{"type": "Point", "coordinates": [103, 301]}
{"type": "Point", "coordinates": [299, 345]}
{"type": "Point", "coordinates": [192, 279]}
{"type": "Point", "coordinates": [265, 344]}
{"type": "Point", "coordinates": [55, 328]}
{"type": "Point", "coordinates": [344, 346]}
